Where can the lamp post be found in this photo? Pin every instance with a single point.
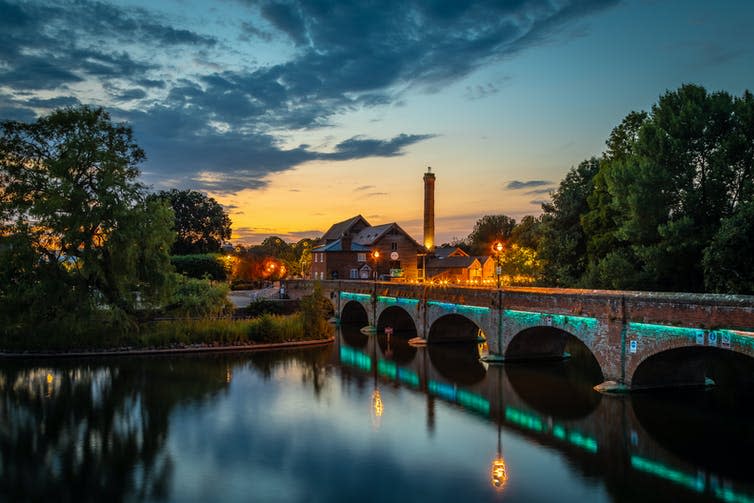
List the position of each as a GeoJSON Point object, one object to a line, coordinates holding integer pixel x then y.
{"type": "Point", "coordinates": [375, 257]}
{"type": "Point", "coordinates": [497, 249]}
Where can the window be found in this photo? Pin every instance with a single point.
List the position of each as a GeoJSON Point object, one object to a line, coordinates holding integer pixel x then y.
{"type": "Point", "coordinates": [394, 246]}
{"type": "Point", "coordinates": [354, 273]}
{"type": "Point", "coordinates": [361, 257]}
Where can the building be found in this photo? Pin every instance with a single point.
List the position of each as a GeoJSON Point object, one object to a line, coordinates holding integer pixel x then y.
{"type": "Point", "coordinates": [457, 269]}
{"type": "Point", "coordinates": [354, 249]}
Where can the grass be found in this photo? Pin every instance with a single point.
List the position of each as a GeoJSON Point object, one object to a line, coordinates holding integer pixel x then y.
{"type": "Point", "coordinates": [267, 328]}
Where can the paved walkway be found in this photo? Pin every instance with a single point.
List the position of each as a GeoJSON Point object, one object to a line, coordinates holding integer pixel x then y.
{"type": "Point", "coordinates": [242, 298]}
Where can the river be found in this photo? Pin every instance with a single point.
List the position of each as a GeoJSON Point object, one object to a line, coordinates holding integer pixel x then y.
{"type": "Point", "coordinates": [368, 418]}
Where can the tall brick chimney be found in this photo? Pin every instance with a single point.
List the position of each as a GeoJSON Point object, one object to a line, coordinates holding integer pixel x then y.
{"type": "Point", "coordinates": [429, 210]}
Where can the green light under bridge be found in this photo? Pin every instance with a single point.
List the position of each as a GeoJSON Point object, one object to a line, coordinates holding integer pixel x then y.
{"type": "Point", "coordinates": [459, 308]}
{"type": "Point", "coordinates": [393, 372]}
{"type": "Point", "coordinates": [721, 337]}
{"type": "Point", "coordinates": [534, 423]}
{"type": "Point", "coordinates": [354, 358]}
{"type": "Point", "coordinates": [360, 297]}
{"type": "Point", "coordinates": [692, 482]}
{"type": "Point", "coordinates": [398, 301]}
{"type": "Point", "coordinates": [465, 399]}
{"type": "Point", "coordinates": [531, 318]}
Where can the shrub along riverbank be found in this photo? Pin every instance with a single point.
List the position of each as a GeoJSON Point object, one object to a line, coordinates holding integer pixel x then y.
{"type": "Point", "coordinates": [309, 323]}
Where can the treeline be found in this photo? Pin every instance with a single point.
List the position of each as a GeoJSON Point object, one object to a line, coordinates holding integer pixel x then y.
{"type": "Point", "coordinates": [668, 206]}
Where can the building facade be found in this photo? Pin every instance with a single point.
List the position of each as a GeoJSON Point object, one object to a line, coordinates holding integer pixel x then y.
{"type": "Point", "coordinates": [353, 249]}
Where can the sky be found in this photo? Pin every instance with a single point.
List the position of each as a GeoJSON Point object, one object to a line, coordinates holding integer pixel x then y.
{"type": "Point", "coordinates": [295, 115]}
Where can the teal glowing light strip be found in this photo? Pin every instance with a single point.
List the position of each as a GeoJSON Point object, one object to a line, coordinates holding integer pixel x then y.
{"type": "Point", "coordinates": [393, 372]}
{"type": "Point", "coordinates": [355, 358]}
{"type": "Point", "coordinates": [659, 332]}
{"type": "Point", "coordinates": [465, 399]}
{"type": "Point", "coordinates": [534, 423]}
{"type": "Point", "coordinates": [355, 296]}
{"type": "Point", "coordinates": [693, 482]}
{"type": "Point", "coordinates": [459, 308]}
{"type": "Point", "coordinates": [398, 300]}
{"type": "Point", "coordinates": [730, 496]}
{"type": "Point", "coordinates": [532, 318]}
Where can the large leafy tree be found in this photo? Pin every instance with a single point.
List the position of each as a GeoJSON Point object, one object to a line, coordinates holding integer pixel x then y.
{"type": "Point", "coordinates": [77, 231]}
{"type": "Point", "coordinates": [684, 169]}
{"type": "Point", "coordinates": [201, 224]}
{"type": "Point", "coordinates": [563, 242]}
{"type": "Point", "coordinates": [488, 230]}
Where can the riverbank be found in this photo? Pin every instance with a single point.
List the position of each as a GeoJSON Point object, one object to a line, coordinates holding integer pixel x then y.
{"type": "Point", "coordinates": [196, 348]}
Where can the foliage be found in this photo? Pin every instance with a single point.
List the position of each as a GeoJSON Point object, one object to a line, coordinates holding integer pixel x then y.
{"type": "Point", "coordinates": [201, 224]}
{"type": "Point", "coordinates": [200, 298]}
{"type": "Point", "coordinates": [528, 232]}
{"type": "Point", "coordinates": [666, 206]}
{"type": "Point", "coordinates": [488, 230]}
{"type": "Point", "coordinates": [78, 238]}
{"type": "Point", "coordinates": [315, 310]}
{"type": "Point", "coordinates": [259, 307]}
{"type": "Point", "coordinates": [208, 266]}
{"type": "Point", "coordinates": [563, 242]}
{"type": "Point", "coordinates": [729, 259]}
{"type": "Point", "coordinates": [520, 265]}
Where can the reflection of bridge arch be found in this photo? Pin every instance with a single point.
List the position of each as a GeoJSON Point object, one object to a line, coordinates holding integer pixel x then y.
{"type": "Point", "coordinates": [453, 328]}
{"type": "Point", "coordinates": [398, 319]}
{"type": "Point", "coordinates": [354, 313]}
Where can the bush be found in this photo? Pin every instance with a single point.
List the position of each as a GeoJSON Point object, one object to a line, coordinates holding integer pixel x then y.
{"type": "Point", "coordinates": [200, 298]}
{"type": "Point", "coordinates": [208, 266]}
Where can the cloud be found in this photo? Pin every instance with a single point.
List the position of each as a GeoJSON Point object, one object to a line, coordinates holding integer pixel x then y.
{"type": "Point", "coordinates": [516, 184]}
{"type": "Point", "coordinates": [373, 194]}
{"type": "Point", "coordinates": [537, 192]}
{"type": "Point", "coordinates": [364, 187]}
{"type": "Point", "coordinates": [255, 235]}
{"type": "Point", "coordinates": [211, 117]}
{"type": "Point", "coordinates": [539, 202]}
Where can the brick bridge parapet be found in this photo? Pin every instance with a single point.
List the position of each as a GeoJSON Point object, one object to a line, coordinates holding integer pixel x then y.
{"type": "Point", "coordinates": [621, 328]}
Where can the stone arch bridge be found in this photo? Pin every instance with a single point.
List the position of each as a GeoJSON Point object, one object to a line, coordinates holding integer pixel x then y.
{"type": "Point", "coordinates": [639, 339]}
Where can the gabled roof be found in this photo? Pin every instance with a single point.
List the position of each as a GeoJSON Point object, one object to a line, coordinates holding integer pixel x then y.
{"type": "Point", "coordinates": [452, 263]}
{"type": "Point", "coordinates": [370, 235]}
{"type": "Point", "coordinates": [337, 230]}
{"type": "Point", "coordinates": [483, 258]}
{"type": "Point", "coordinates": [337, 246]}
{"type": "Point", "coordinates": [449, 251]}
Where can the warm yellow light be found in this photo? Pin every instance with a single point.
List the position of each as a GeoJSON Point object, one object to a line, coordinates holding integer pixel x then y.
{"type": "Point", "coordinates": [49, 378]}
{"type": "Point", "coordinates": [498, 247]}
{"type": "Point", "coordinates": [376, 254]}
{"type": "Point", "coordinates": [498, 473]}
{"type": "Point", "coordinates": [377, 403]}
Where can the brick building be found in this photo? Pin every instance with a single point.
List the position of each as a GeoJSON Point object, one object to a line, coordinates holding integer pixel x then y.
{"type": "Point", "coordinates": [348, 252]}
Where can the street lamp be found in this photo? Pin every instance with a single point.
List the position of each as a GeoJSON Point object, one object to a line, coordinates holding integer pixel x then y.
{"type": "Point", "coordinates": [497, 249]}
{"type": "Point", "coordinates": [375, 257]}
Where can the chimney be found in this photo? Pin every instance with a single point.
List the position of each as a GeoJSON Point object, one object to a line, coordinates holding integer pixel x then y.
{"type": "Point", "coordinates": [429, 210]}
{"type": "Point", "coordinates": [345, 242]}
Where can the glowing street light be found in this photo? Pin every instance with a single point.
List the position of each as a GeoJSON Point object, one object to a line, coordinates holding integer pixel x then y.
{"type": "Point", "coordinates": [497, 249]}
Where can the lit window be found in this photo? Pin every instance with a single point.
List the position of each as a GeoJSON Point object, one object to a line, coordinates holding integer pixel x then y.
{"type": "Point", "coordinates": [361, 257]}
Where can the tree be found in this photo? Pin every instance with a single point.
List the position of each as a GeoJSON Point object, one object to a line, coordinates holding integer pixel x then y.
{"type": "Point", "coordinates": [563, 244]}
{"type": "Point", "coordinates": [729, 258]}
{"type": "Point", "coordinates": [488, 230]}
{"type": "Point", "coordinates": [201, 224]}
{"type": "Point", "coordinates": [78, 233]}
{"type": "Point", "coordinates": [528, 232]}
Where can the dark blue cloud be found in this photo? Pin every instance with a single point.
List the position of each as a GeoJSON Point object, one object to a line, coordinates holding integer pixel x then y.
{"type": "Point", "coordinates": [346, 56]}
{"type": "Point", "coordinates": [517, 184]}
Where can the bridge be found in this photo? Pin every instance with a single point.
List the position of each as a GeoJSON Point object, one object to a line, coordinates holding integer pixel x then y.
{"type": "Point", "coordinates": [639, 339]}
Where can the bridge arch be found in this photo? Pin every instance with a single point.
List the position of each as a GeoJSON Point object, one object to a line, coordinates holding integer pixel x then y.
{"type": "Point", "coordinates": [354, 313]}
{"type": "Point", "coordinates": [453, 328]}
{"type": "Point", "coordinates": [398, 319]}
{"type": "Point", "coordinates": [692, 365]}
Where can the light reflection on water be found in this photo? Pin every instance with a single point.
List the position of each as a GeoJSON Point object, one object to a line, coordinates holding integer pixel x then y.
{"type": "Point", "coordinates": [366, 419]}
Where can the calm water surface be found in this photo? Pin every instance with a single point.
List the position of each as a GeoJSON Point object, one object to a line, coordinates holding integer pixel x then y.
{"type": "Point", "coordinates": [366, 419]}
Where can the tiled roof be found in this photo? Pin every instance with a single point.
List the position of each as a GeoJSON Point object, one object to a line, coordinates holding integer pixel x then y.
{"type": "Point", "coordinates": [371, 234]}
{"type": "Point", "coordinates": [451, 263]}
{"type": "Point", "coordinates": [337, 246]}
{"type": "Point", "coordinates": [337, 230]}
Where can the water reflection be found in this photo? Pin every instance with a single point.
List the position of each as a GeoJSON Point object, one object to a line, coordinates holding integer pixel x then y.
{"type": "Point", "coordinates": [295, 425]}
